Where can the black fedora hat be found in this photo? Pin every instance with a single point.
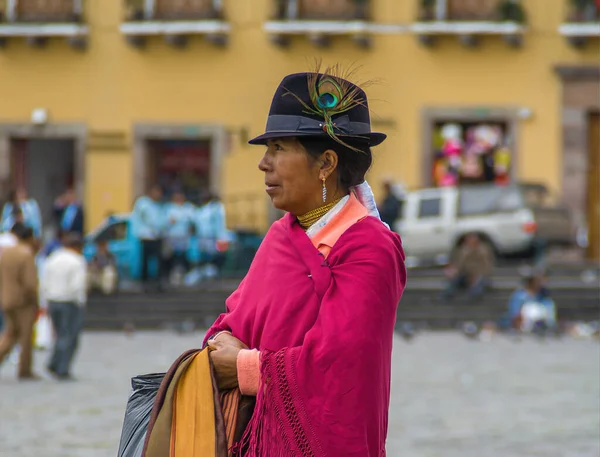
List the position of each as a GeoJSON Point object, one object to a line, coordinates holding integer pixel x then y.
{"type": "Point", "coordinates": [319, 104]}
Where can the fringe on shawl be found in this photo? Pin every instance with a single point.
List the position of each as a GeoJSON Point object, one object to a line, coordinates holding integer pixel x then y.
{"type": "Point", "coordinates": [279, 425]}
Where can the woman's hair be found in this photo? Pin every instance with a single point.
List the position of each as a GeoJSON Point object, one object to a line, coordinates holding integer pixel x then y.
{"type": "Point", "coordinates": [352, 165]}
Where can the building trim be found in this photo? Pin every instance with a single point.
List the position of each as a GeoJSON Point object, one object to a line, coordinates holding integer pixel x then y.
{"type": "Point", "coordinates": [142, 132]}
{"type": "Point", "coordinates": [430, 115]}
{"type": "Point", "coordinates": [467, 28]}
{"type": "Point", "coordinates": [580, 29]}
{"type": "Point", "coordinates": [144, 28]}
{"type": "Point", "coordinates": [43, 30]}
{"type": "Point", "coordinates": [76, 132]}
{"type": "Point", "coordinates": [578, 72]}
{"type": "Point", "coordinates": [300, 27]}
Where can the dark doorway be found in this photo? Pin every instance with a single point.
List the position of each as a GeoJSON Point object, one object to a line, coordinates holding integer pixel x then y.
{"type": "Point", "coordinates": [180, 164]}
{"type": "Point", "coordinates": [45, 167]}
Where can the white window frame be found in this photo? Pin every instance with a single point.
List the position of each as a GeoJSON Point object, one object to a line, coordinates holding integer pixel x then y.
{"type": "Point", "coordinates": [150, 8]}
{"type": "Point", "coordinates": [12, 6]}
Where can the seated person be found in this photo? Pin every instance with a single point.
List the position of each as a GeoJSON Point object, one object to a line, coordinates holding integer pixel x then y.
{"type": "Point", "coordinates": [531, 307]}
{"type": "Point", "coordinates": [471, 268]}
{"type": "Point", "coordinates": [103, 269]}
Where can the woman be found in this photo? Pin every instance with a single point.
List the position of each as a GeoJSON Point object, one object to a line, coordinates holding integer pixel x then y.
{"type": "Point", "coordinates": [309, 330]}
{"type": "Point", "coordinates": [180, 220]}
{"type": "Point", "coordinates": [211, 230]}
{"type": "Point", "coordinates": [29, 209]}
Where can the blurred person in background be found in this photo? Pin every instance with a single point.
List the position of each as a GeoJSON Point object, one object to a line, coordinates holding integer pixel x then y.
{"type": "Point", "coordinates": [390, 208]}
{"type": "Point", "coordinates": [530, 307]}
{"type": "Point", "coordinates": [148, 225]}
{"type": "Point", "coordinates": [471, 268]}
{"type": "Point", "coordinates": [68, 212]}
{"type": "Point", "coordinates": [7, 239]}
{"type": "Point", "coordinates": [29, 211]}
{"type": "Point", "coordinates": [103, 273]}
{"type": "Point", "coordinates": [64, 284]}
{"type": "Point", "coordinates": [180, 219]}
{"type": "Point", "coordinates": [55, 243]}
{"type": "Point", "coordinates": [212, 234]}
{"type": "Point", "coordinates": [19, 299]}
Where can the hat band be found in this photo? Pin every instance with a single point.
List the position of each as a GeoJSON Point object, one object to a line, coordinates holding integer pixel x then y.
{"type": "Point", "coordinates": [288, 123]}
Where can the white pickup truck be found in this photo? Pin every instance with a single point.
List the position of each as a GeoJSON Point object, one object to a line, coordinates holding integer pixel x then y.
{"type": "Point", "coordinates": [509, 218]}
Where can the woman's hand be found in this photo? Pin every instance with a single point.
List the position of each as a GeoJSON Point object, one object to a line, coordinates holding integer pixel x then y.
{"type": "Point", "coordinates": [228, 339]}
{"type": "Point", "coordinates": [224, 352]}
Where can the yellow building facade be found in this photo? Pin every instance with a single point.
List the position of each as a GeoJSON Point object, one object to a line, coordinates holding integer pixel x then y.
{"type": "Point", "coordinates": [117, 90]}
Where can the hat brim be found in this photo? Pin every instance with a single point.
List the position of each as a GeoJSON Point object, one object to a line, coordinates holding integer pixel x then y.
{"type": "Point", "coordinates": [374, 138]}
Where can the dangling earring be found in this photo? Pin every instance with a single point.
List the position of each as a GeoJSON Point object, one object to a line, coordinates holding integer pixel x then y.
{"type": "Point", "coordinates": [324, 191]}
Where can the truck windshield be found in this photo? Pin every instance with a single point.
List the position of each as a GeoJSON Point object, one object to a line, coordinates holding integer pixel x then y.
{"type": "Point", "coordinates": [475, 200]}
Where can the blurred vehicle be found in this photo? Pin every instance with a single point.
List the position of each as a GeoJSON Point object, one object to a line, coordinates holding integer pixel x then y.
{"type": "Point", "coordinates": [513, 220]}
{"type": "Point", "coordinates": [116, 229]}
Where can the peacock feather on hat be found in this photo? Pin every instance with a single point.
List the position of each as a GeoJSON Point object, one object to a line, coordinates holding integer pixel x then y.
{"type": "Point", "coordinates": [331, 94]}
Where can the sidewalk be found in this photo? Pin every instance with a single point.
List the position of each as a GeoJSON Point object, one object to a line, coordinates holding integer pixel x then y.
{"type": "Point", "coordinates": [451, 397]}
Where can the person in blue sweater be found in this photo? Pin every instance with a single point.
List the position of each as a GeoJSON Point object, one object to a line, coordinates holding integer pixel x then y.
{"type": "Point", "coordinates": [531, 307]}
{"type": "Point", "coordinates": [180, 224]}
{"type": "Point", "coordinates": [148, 223]}
{"type": "Point", "coordinates": [212, 232]}
{"type": "Point", "coordinates": [19, 203]}
{"type": "Point", "coordinates": [69, 213]}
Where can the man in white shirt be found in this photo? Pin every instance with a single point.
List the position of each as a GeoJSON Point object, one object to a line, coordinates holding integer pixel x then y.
{"type": "Point", "coordinates": [64, 283]}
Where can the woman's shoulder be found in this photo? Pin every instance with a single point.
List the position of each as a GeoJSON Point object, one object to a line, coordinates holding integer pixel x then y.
{"type": "Point", "coordinates": [368, 235]}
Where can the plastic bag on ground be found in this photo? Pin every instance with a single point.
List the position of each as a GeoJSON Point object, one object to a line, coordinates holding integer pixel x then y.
{"type": "Point", "coordinates": [137, 414]}
{"type": "Point", "coordinates": [44, 334]}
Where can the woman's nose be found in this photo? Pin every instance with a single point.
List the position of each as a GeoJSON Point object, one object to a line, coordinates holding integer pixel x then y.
{"type": "Point", "coordinates": [263, 165]}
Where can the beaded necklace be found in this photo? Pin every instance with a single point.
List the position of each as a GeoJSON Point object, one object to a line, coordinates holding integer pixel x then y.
{"type": "Point", "coordinates": [308, 219]}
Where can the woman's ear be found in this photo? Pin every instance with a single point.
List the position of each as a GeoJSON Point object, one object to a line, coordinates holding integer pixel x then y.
{"type": "Point", "coordinates": [329, 162]}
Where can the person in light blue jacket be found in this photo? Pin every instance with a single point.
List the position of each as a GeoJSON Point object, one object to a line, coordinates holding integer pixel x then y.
{"type": "Point", "coordinates": [180, 224]}
{"type": "Point", "coordinates": [29, 209]}
{"type": "Point", "coordinates": [211, 230]}
{"type": "Point", "coordinates": [531, 305]}
{"type": "Point", "coordinates": [148, 224]}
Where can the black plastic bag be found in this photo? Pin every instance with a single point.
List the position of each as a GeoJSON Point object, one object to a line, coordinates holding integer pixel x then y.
{"type": "Point", "coordinates": [137, 414]}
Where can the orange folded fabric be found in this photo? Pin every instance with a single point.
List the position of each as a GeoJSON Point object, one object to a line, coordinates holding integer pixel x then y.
{"type": "Point", "coordinates": [190, 417]}
{"type": "Point", "coordinates": [193, 426]}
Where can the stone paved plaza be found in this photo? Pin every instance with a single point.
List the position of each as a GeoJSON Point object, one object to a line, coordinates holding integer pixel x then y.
{"type": "Point", "coordinates": [452, 397]}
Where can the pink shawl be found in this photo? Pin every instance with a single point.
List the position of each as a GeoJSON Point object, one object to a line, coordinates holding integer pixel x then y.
{"type": "Point", "coordinates": [324, 329]}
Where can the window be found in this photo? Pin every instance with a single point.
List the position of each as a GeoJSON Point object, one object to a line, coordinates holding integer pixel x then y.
{"type": "Point", "coordinates": [470, 153]}
{"type": "Point", "coordinates": [173, 9]}
{"type": "Point", "coordinates": [184, 9]}
{"type": "Point", "coordinates": [430, 207]}
{"type": "Point", "coordinates": [44, 11]}
{"type": "Point", "coordinates": [113, 232]}
{"type": "Point", "coordinates": [472, 10]}
{"type": "Point", "coordinates": [583, 11]}
{"type": "Point", "coordinates": [321, 9]}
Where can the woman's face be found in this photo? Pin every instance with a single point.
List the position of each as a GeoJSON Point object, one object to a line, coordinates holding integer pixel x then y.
{"type": "Point", "coordinates": [292, 177]}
